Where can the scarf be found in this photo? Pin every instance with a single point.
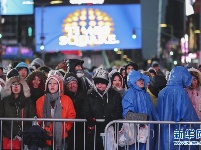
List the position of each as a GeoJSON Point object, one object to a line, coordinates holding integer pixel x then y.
{"type": "Point", "coordinates": [54, 98]}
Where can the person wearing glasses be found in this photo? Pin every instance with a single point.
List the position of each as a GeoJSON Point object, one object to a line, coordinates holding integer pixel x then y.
{"type": "Point", "coordinates": [16, 103]}
{"type": "Point", "coordinates": [54, 104]}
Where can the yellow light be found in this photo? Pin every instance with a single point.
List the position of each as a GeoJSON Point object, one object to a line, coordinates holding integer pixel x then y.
{"type": "Point", "coordinates": [74, 24]}
{"type": "Point", "coordinates": [91, 17]}
{"type": "Point", "coordinates": [56, 2]}
{"type": "Point", "coordinates": [75, 18]}
{"type": "Point", "coordinates": [83, 17]}
{"type": "Point", "coordinates": [83, 23]}
{"type": "Point", "coordinates": [163, 25]}
{"type": "Point", "coordinates": [99, 18]}
{"type": "Point", "coordinates": [119, 52]}
{"type": "Point", "coordinates": [92, 23]}
{"type": "Point", "coordinates": [149, 61]}
{"type": "Point", "coordinates": [124, 56]}
{"type": "Point", "coordinates": [197, 31]}
{"type": "Point", "coordinates": [101, 23]}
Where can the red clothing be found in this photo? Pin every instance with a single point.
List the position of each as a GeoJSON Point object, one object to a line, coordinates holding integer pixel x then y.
{"type": "Point", "coordinates": [68, 112]}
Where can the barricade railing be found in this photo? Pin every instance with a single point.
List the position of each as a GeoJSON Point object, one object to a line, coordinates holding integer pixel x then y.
{"type": "Point", "coordinates": [42, 121]}
{"type": "Point", "coordinates": [179, 135]}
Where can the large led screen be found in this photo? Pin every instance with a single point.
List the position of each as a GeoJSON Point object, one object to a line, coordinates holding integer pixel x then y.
{"type": "Point", "coordinates": [16, 7]}
{"type": "Point", "coordinates": [95, 27]}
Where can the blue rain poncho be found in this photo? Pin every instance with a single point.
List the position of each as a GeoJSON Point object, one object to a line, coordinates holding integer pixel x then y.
{"type": "Point", "coordinates": [138, 100]}
{"type": "Point", "coordinates": [174, 105]}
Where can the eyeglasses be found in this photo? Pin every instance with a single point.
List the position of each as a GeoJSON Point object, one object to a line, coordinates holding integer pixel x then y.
{"type": "Point", "coordinates": [15, 84]}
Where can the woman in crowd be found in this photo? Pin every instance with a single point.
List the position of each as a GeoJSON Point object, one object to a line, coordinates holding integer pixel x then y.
{"type": "Point", "coordinates": [36, 81]}
{"type": "Point", "coordinates": [137, 100]}
{"type": "Point", "coordinates": [23, 69]}
{"type": "Point", "coordinates": [54, 104]}
{"type": "Point", "coordinates": [103, 102]}
{"type": "Point", "coordinates": [16, 104]}
{"type": "Point", "coordinates": [117, 81]}
{"type": "Point", "coordinates": [194, 90]}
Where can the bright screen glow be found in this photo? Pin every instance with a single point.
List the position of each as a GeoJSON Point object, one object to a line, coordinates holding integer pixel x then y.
{"type": "Point", "coordinates": [95, 27]}
{"type": "Point", "coordinates": [16, 7]}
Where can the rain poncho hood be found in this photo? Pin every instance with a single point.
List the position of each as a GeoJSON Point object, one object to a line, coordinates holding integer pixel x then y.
{"type": "Point", "coordinates": [174, 105]}
{"type": "Point", "coordinates": [180, 76]}
{"type": "Point", "coordinates": [137, 100]}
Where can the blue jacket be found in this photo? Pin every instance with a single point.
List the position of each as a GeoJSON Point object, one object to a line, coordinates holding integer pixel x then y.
{"type": "Point", "coordinates": [174, 105]}
{"type": "Point", "coordinates": [138, 100]}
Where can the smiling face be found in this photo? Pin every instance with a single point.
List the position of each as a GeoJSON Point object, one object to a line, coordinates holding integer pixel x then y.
{"type": "Point", "coordinates": [36, 82]}
{"type": "Point", "coordinates": [72, 86]}
{"type": "Point", "coordinates": [117, 82]}
{"type": "Point", "coordinates": [53, 86]}
{"type": "Point", "coordinates": [101, 86]}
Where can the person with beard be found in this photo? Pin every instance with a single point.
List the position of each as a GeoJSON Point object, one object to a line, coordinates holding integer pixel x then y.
{"type": "Point", "coordinates": [54, 104]}
{"type": "Point", "coordinates": [16, 104]}
{"type": "Point", "coordinates": [74, 89]}
{"type": "Point", "coordinates": [103, 102]}
{"type": "Point", "coordinates": [36, 81]}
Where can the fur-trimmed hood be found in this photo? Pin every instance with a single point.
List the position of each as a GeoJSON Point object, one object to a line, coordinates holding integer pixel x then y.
{"type": "Point", "coordinates": [6, 91]}
{"type": "Point", "coordinates": [196, 73]}
{"type": "Point", "coordinates": [32, 75]}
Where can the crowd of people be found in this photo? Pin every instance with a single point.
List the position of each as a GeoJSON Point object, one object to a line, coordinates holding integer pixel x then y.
{"type": "Point", "coordinates": [71, 92]}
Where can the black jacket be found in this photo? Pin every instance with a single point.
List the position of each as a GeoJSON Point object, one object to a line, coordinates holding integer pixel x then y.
{"type": "Point", "coordinates": [109, 107]}
{"type": "Point", "coordinates": [8, 110]}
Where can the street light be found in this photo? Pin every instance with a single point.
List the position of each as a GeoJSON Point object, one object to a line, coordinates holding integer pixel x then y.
{"type": "Point", "coordinates": [163, 25]}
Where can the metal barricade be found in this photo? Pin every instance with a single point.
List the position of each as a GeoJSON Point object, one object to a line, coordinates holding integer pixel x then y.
{"type": "Point", "coordinates": [42, 121]}
{"type": "Point", "coordinates": [179, 135]}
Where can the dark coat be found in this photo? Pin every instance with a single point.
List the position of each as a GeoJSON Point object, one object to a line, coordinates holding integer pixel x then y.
{"type": "Point", "coordinates": [8, 110]}
{"type": "Point", "coordinates": [108, 108]}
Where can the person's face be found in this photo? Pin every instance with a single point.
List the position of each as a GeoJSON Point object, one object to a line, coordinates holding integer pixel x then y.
{"type": "Point", "coordinates": [78, 67]}
{"type": "Point", "coordinates": [117, 82]}
{"type": "Point", "coordinates": [16, 88]}
{"type": "Point", "coordinates": [152, 74]}
{"type": "Point", "coordinates": [123, 73]}
{"type": "Point", "coordinates": [129, 69]}
{"type": "Point", "coordinates": [72, 86]}
{"type": "Point", "coordinates": [53, 86]}
{"type": "Point", "coordinates": [101, 86]}
{"type": "Point", "coordinates": [140, 83]}
{"type": "Point", "coordinates": [194, 83]}
{"type": "Point", "coordinates": [36, 82]}
{"type": "Point", "coordinates": [23, 73]}
{"type": "Point", "coordinates": [1, 72]}
{"type": "Point", "coordinates": [156, 68]}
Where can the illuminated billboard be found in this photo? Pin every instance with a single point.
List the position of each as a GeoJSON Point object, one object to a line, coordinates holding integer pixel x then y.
{"type": "Point", "coordinates": [16, 7]}
{"type": "Point", "coordinates": [95, 27]}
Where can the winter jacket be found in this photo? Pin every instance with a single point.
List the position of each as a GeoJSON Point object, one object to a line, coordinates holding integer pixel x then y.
{"type": "Point", "coordinates": [174, 105]}
{"type": "Point", "coordinates": [137, 100]}
{"type": "Point", "coordinates": [9, 106]}
{"type": "Point", "coordinates": [68, 112]}
{"type": "Point", "coordinates": [108, 108]}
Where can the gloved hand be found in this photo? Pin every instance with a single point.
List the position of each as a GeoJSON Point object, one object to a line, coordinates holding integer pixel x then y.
{"type": "Point", "coordinates": [91, 122]}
